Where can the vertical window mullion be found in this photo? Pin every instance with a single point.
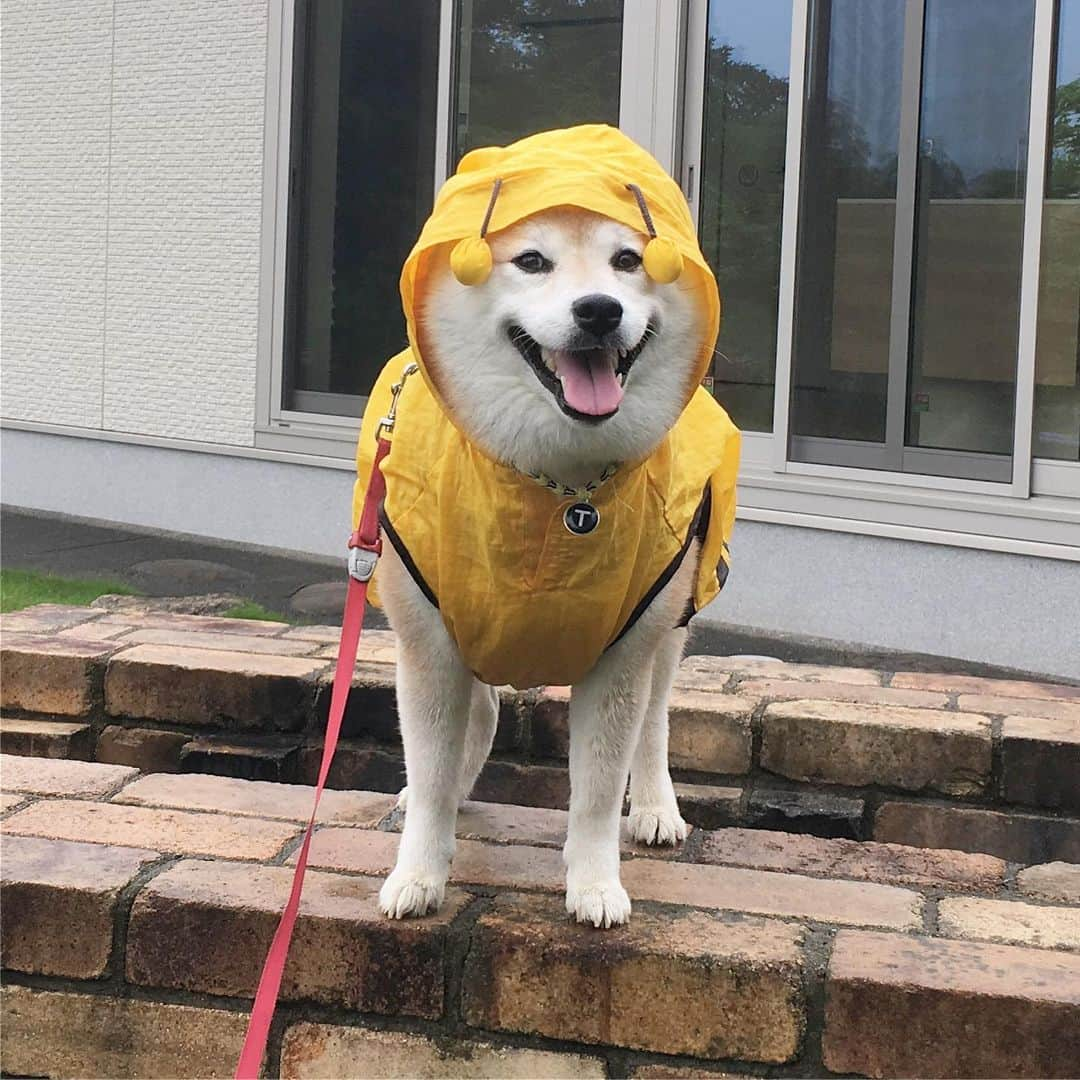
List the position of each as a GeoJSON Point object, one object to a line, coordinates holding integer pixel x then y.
{"type": "Point", "coordinates": [785, 330]}
{"type": "Point", "coordinates": [904, 234]}
{"type": "Point", "coordinates": [283, 96]}
{"type": "Point", "coordinates": [1038, 132]}
{"type": "Point", "coordinates": [650, 96]}
{"type": "Point", "coordinates": [446, 101]}
{"type": "Point", "coordinates": [693, 125]}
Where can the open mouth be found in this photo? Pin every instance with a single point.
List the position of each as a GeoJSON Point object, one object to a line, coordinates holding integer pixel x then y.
{"type": "Point", "coordinates": [587, 384]}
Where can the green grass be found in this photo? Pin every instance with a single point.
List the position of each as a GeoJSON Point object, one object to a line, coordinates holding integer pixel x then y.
{"type": "Point", "coordinates": [22, 588]}
{"type": "Point", "coordinates": [250, 610]}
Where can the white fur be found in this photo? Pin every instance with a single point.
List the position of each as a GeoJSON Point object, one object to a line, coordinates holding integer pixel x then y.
{"type": "Point", "coordinates": [497, 398]}
{"type": "Point", "coordinates": [618, 712]}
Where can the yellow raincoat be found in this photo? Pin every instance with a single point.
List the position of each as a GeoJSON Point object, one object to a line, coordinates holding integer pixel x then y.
{"type": "Point", "coordinates": [527, 602]}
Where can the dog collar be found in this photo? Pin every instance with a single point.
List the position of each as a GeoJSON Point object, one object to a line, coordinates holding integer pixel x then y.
{"type": "Point", "coordinates": [580, 517]}
{"type": "Point", "coordinates": [584, 493]}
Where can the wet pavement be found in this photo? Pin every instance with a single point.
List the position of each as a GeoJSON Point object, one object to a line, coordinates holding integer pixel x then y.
{"type": "Point", "coordinates": [306, 589]}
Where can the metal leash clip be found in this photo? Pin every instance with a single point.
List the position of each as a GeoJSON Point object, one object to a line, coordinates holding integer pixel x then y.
{"type": "Point", "coordinates": [364, 554]}
{"type": "Point", "coordinates": [386, 424]}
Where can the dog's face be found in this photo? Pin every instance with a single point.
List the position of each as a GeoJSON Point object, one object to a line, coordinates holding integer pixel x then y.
{"type": "Point", "coordinates": [569, 355]}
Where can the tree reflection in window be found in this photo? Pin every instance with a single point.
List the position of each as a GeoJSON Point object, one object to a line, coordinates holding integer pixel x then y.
{"type": "Point", "coordinates": [1057, 358]}
{"type": "Point", "coordinates": [531, 65]}
{"type": "Point", "coordinates": [742, 194]}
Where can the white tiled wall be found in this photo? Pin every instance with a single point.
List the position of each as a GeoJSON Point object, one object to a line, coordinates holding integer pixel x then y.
{"type": "Point", "coordinates": [132, 185]}
{"type": "Point", "coordinates": [57, 69]}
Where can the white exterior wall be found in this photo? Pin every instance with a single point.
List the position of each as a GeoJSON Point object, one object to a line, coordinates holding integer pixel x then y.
{"type": "Point", "coordinates": [1011, 610]}
{"type": "Point", "coordinates": [57, 76]}
{"type": "Point", "coordinates": [133, 138]}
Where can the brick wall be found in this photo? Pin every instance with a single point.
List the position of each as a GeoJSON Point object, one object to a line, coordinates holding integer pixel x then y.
{"type": "Point", "coordinates": [133, 138]}
{"type": "Point", "coordinates": [938, 761]}
{"type": "Point", "coordinates": [138, 909]}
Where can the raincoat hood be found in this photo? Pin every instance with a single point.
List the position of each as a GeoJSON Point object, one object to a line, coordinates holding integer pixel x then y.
{"type": "Point", "coordinates": [589, 167]}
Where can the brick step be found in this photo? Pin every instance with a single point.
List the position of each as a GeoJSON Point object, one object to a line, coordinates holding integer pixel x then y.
{"type": "Point", "coordinates": [935, 760]}
{"type": "Point", "coordinates": [38, 737]}
{"type": "Point", "coordinates": [137, 909]}
{"type": "Point", "coordinates": [758, 801]}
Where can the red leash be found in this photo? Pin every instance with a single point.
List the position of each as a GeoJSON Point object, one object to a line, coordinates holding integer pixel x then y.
{"type": "Point", "coordinates": [365, 546]}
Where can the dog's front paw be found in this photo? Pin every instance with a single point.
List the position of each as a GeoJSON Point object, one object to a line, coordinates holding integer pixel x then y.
{"type": "Point", "coordinates": [656, 825]}
{"type": "Point", "coordinates": [408, 893]}
{"type": "Point", "coordinates": [602, 905]}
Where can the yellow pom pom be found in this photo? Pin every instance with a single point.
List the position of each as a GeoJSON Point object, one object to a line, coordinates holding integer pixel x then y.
{"type": "Point", "coordinates": [662, 260]}
{"type": "Point", "coordinates": [471, 260]}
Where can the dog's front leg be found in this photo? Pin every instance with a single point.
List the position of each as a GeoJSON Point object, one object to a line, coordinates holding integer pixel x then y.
{"type": "Point", "coordinates": [433, 706]}
{"type": "Point", "coordinates": [606, 711]}
{"type": "Point", "coordinates": [654, 810]}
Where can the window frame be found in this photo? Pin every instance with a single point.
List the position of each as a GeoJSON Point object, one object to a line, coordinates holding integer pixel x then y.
{"type": "Point", "coordinates": [276, 427]}
{"type": "Point", "coordinates": [1019, 485]}
{"type": "Point", "coordinates": [662, 94]}
{"type": "Point", "coordinates": [772, 486]}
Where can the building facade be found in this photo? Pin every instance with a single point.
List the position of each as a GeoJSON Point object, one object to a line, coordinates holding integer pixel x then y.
{"type": "Point", "coordinates": [206, 206]}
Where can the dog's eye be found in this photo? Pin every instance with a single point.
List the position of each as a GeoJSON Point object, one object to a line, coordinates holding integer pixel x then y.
{"type": "Point", "coordinates": [626, 259]}
{"type": "Point", "coordinates": [532, 262]}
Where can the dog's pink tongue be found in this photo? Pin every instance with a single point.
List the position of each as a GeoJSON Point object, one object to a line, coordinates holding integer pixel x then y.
{"type": "Point", "coordinates": [588, 381]}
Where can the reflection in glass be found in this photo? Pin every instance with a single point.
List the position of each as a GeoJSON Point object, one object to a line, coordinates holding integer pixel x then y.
{"type": "Point", "coordinates": [847, 221]}
{"type": "Point", "coordinates": [742, 194]}
{"type": "Point", "coordinates": [530, 65]}
{"type": "Point", "coordinates": [1057, 353]}
{"type": "Point", "coordinates": [969, 224]}
{"type": "Point", "coordinates": [363, 177]}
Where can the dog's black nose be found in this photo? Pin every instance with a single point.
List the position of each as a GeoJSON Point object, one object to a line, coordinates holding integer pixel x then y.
{"type": "Point", "coordinates": [598, 314]}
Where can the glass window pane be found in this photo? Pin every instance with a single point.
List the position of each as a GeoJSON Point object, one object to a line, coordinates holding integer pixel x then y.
{"type": "Point", "coordinates": [742, 194]}
{"type": "Point", "coordinates": [1057, 355]}
{"type": "Point", "coordinates": [969, 224]}
{"type": "Point", "coordinates": [363, 178]}
{"type": "Point", "coordinates": [530, 65]}
{"type": "Point", "coordinates": [848, 214]}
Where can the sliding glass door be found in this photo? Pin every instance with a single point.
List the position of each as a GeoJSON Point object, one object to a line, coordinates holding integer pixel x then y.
{"type": "Point", "coordinates": [740, 201]}
{"type": "Point", "coordinates": [361, 182]}
{"type": "Point", "coordinates": [910, 241]}
{"type": "Point", "coordinates": [367, 156]}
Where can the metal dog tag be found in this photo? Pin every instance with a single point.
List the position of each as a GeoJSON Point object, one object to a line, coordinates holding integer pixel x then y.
{"type": "Point", "coordinates": [581, 518]}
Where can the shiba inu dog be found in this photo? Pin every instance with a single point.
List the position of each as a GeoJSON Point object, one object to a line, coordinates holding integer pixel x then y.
{"type": "Point", "coordinates": [559, 490]}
